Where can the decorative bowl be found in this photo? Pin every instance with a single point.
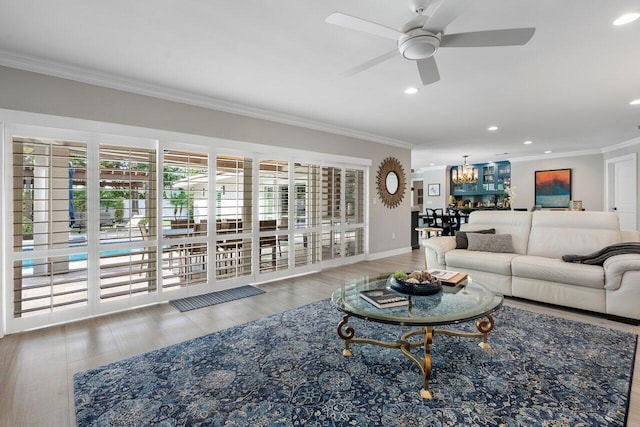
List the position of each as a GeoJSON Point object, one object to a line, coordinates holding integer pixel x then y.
{"type": "Point", "coordinates": [409, 288]}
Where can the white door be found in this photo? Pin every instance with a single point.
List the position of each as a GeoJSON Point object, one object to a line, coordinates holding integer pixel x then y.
{"type": "Point", "coordinates": [622, 190]}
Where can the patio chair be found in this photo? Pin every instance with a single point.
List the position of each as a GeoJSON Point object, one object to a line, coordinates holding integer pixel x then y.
{"type": "Point", "coordinates": [198, 251]}
{"type": "Point", "coordinates": [144, 232]}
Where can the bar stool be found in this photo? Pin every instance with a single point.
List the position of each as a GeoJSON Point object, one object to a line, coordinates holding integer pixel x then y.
{"type": "Point", "coordinates": [425, 233]}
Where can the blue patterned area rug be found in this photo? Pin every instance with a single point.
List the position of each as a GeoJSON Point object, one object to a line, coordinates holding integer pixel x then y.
{"type": "Point", "coordinates": [288, 370]}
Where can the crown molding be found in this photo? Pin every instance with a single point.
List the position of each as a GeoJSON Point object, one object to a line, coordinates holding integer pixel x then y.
{"type": "Point", "coordinates": [603, 150]}
{"type": "Point", "coordinates": [621, 145]}
{"type": "Point", "coordinates": [556, 155]}
{"type": "Point", "coordinates": [112, 81]}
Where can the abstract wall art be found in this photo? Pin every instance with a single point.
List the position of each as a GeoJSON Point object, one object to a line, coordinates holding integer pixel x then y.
{"type": "Point", "coordinates": [553, 188]}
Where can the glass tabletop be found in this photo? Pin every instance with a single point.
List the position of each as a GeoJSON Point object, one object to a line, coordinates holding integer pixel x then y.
{"type": "Point", "coordinates": [454, 304]}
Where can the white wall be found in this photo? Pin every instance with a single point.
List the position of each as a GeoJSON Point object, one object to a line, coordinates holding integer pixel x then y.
{"type": "Point", "coordinates": [436, 176]}
{"type": "Point", "coordinates": [26, 91]}
{"type": "Point", "coordinates": [587, 179]}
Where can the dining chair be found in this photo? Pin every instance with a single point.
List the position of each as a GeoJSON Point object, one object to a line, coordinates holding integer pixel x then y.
{"type": "Point", "coordinates": [429, 219]}
{"type": "Point", "coordinates": [438, 217]}
{"type": "Point", "coordinates": [454, 220]}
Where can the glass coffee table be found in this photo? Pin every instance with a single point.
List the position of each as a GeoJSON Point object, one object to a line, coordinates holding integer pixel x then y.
{"type": "Point", "coordinates": [465, 302]}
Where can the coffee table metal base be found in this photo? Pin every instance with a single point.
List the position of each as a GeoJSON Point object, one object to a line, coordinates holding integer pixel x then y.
{"type": "Point", "coordinates": [405, 344]}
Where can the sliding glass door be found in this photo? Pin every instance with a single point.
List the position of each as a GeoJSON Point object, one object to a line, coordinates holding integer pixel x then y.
{"type": "Point", "coordinates": [100, 223]}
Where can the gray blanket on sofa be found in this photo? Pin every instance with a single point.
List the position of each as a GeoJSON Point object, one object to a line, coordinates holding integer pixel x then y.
{"type": "Point", "coordinates": [598, 258]}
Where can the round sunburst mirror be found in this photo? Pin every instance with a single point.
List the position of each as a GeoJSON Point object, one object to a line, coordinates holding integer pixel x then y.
{"type": "Point", "coordinates": [391, 182]}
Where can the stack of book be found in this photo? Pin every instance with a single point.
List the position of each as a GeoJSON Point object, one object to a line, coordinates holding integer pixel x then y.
{"type": "Point", "coordinates": [447, 277]}
{"type": "Point", "coordinates": [383, 298]}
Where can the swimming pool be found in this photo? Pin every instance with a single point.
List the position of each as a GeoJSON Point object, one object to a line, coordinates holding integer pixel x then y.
{"type": "Point", "coordinates": [83, 256]}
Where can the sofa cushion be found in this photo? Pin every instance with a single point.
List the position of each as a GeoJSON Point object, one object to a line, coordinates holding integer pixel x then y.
{"type": "Point", "coordinates": [556, 270]}
{"type": "Point", "coordinates": [554, 234]}
{"type": "Point", "coordinates": [461, 237]}
{"type": "Point", "coordinates": [518, 224]}
{"type": "Point", "coordinates": [481, 261]}
{"type": "Point", "coordinates": [499, 243]}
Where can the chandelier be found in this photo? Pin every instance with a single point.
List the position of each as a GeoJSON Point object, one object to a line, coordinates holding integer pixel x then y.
{"type": "Point", "coordinates": [464, 174]}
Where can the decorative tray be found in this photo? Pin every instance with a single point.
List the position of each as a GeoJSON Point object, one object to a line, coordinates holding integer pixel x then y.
{"type": "Point", "coordinates": [423, 286]}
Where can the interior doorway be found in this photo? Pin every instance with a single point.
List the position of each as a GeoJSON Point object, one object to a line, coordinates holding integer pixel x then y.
{"type": "Point", "coordinates": [621, 190]}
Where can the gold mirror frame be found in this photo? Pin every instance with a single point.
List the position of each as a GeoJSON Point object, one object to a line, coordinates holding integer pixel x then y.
{"type": "Point", "coordinates": [391, 165]}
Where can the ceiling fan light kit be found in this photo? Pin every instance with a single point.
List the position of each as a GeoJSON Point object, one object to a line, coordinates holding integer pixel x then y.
{"type": "Point", "coordinates": [419, 46]}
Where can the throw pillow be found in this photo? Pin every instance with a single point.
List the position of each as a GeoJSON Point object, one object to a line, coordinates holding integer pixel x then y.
{"type": "Point", "coordinates": [461, 237]}
{"type": "Point", "coordinates": [490, 243]}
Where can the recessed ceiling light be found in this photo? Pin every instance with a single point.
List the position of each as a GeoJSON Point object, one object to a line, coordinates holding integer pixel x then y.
{"type": "Point", "coordinates": [626, 19]}
{"type": "Point", "coordinates": [548, 152]}
{"type": "Point", "coordinates": [411, 90]}
{"type": "Point", "coordinates": [528, 142]}
{"type": "Point", "coordinates": [432, 164]}
{"type": "Point", "coordinates": [635, 102]}
{"type": "Point", "coordinates": [492, 128]}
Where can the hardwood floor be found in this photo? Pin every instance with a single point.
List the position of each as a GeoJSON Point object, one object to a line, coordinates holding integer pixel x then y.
{"type": "Point", "coordinates": [37, 367]}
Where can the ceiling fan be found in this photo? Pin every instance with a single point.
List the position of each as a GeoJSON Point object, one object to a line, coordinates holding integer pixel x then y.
{"type": "Point", "coordinates": [420, 38]}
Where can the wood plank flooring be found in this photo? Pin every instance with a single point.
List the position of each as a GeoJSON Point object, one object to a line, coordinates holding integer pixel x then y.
{"type": "Point", "coordinates": [37, 367]}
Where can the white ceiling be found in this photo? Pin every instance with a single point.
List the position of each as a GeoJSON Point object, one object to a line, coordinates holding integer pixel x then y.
{"type": "Point", "coordinates": [568, 89]}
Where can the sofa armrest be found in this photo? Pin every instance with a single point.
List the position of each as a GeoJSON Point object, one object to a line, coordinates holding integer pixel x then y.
{"type": "Point", "coordinates": [439, 246]}
{"type": "Point", "coordinates": [616, 266]}
{"type": "Point", "coordinates": [629, 236]}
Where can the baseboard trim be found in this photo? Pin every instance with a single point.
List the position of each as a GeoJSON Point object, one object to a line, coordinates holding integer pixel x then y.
{"type": "Point", "coordinates": [386, 254]}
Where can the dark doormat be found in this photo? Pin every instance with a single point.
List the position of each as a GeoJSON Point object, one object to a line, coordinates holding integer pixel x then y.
{"type": "Point", "coordinates": [212, 298]}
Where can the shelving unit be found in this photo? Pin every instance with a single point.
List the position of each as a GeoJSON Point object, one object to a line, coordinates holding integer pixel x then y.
{"type": "Point", "coordinates": [493, 178]}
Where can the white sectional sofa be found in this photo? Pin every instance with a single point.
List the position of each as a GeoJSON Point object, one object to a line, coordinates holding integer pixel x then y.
{"type": "Point", "coordinates": [535, 269]}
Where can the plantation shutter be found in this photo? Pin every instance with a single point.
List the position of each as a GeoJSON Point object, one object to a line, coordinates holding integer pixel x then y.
{"type": "Point", "coordinates": [306, 214]}
{"type": "Point", "coordinates": [128, 232]}
{"type": "Point", "coordinates": [185, 218]}
{"type": "Point", "coordinates": [49, 198]}
{"type": "Point", "coordinates": [354, 212]}
{"type": "Point", "coordinates": [273, 210]}
{"type": "Point", "coordinates": [234, 192]}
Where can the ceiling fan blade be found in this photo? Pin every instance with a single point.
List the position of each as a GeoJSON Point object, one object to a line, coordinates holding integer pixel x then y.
{"type": "Point", "coordinates": [359, 24]}
{"type": "Point", "coordinates": [445, 12]}
{"type": "Point", "coordinates": [508, 37]}
{"type": "Point", "coordinates": [370, 63]}
{"type": "Point", "coordinates": [428, 70]}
